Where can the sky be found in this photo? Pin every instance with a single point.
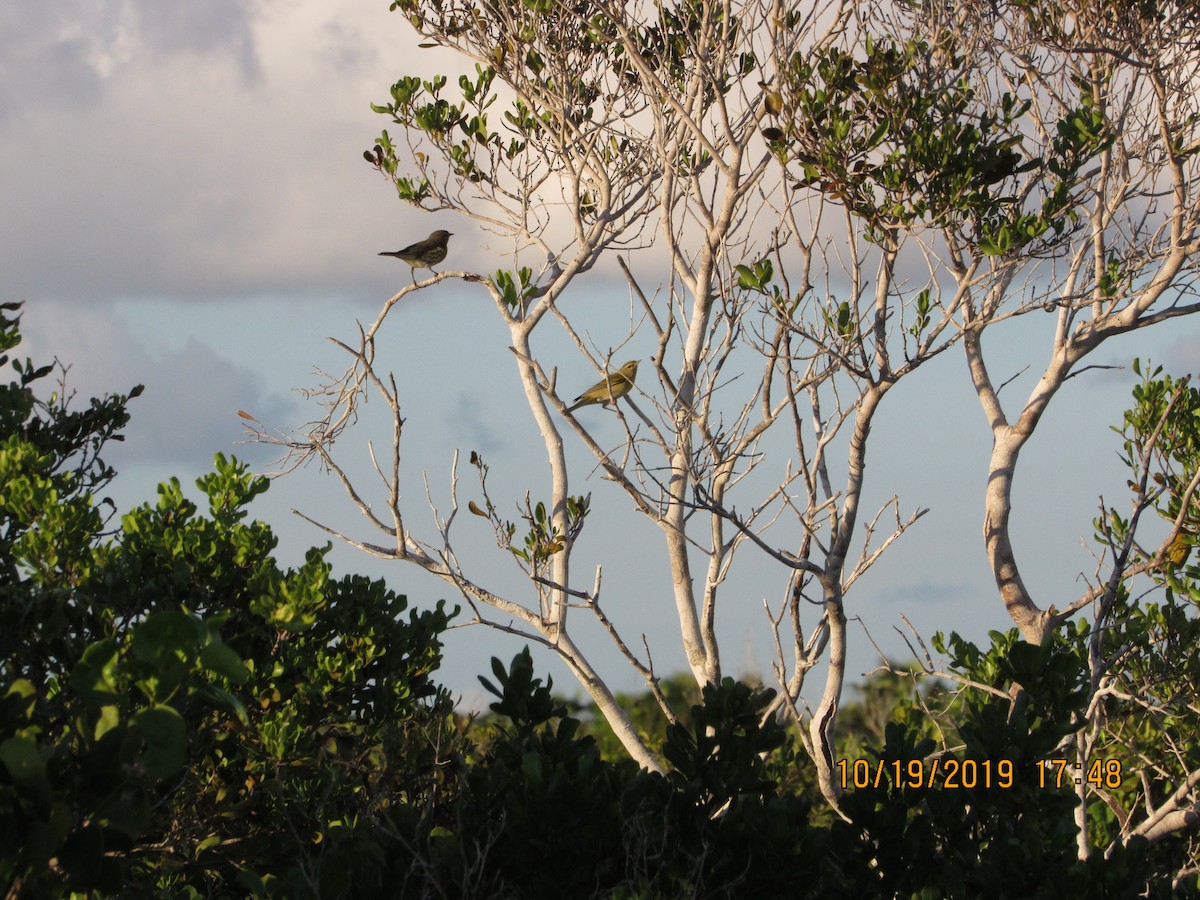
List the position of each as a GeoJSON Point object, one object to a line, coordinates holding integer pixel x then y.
{"type": "Point", "coordinates": [187, 207]}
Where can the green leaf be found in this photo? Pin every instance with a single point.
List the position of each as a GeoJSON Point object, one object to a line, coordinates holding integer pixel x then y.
{"type": "Point", "coordinates": [167, 637]}
{"type": "Point", "coordinates": [110, 718]}
{"type": "Point", "coordinates": [25, 766]}
{"type": "Point", "coordinates": [95, 675]}
{"type": "Point", "coordinates": [219, 658]}
{"type": "Point", "coordinates": [165, 734]}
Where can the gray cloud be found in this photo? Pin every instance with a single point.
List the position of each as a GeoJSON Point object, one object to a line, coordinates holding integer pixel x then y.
{"type": "Point", "coordinates": [215, 27]}
{"type": "Point", "coordinates": [469, 423]}
{"type": "Point", "coordinates": [66, 56]}
{"type": "Point", "coordinates": [189, 408]}
{"type": "Point", "coordinates": [924, 594]}
{"type": "Point", "coordinates": [201, 151]}
{"type": "Point", "coordinates": [41, 63]}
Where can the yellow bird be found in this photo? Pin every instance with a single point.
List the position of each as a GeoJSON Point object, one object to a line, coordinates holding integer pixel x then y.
{"type": "Point", "coordinates": [772, 99]}
{"type": "Point", "coordinates": [1180, 549]}
{"type": "Point", "coordinates": [610, 389]}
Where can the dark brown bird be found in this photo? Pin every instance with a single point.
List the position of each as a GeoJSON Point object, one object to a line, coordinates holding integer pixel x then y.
{"type": "Point", "coordinates": [423, 254]}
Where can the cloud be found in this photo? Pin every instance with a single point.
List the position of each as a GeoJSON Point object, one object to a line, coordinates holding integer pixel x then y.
{"type": "Point", "coordinates": [219, 28]}
{"type": "Point", "coordinates": [468, 422]}
{"type": "Point", "coordinates": [42, 62]}
{"type": "Point", "coordinates": [1178, 356]}
{"type": "Point", "coordinates": [189, 408]}
{"type": "Point", "coordinates": [57, 56]}
{"type": "Point", "coordinates": [207, 152]}
{"type": "Point", "coordinates": [193, 392]}
{"type": "Point", "coordinates": [925, 594]}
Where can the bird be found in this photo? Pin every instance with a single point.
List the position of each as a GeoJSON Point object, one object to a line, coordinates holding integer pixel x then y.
{"type": "Point", "coordinates": [1180, 548]}
{"type": "Point", "coordinates": [609, 389]}
{"type": "Point", "coordinates": [423, 254]}
{"type": "Point", "coordinates": [772, 99]}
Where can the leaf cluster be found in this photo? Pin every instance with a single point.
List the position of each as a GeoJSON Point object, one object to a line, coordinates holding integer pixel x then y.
{"type": "Point", "coordinates": [898, 150]}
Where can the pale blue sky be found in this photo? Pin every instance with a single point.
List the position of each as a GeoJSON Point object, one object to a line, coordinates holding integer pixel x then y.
{"type": "Point", "coordinates": [187, 206]}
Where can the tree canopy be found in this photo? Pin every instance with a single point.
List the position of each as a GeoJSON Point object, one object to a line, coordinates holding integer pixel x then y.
{"type": "Point", "coordinates": [807, 203]}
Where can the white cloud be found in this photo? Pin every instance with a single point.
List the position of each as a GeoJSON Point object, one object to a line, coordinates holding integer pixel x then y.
{"type": "Point", "coordinates": [216, 152]}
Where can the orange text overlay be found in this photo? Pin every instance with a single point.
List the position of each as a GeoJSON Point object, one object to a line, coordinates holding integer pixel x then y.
{"type": "Point", "coordinates": [951, 773]}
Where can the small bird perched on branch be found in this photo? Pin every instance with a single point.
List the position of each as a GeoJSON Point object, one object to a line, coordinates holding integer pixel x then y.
{"type": "Point", "coordinates": [609, 389]}
{"type": "Point", "coordinates": [1180, 548]}
{"type": "Point", "coordinates": [772, 99]}
{"type": "Point", "coordinates": [424, 254]}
